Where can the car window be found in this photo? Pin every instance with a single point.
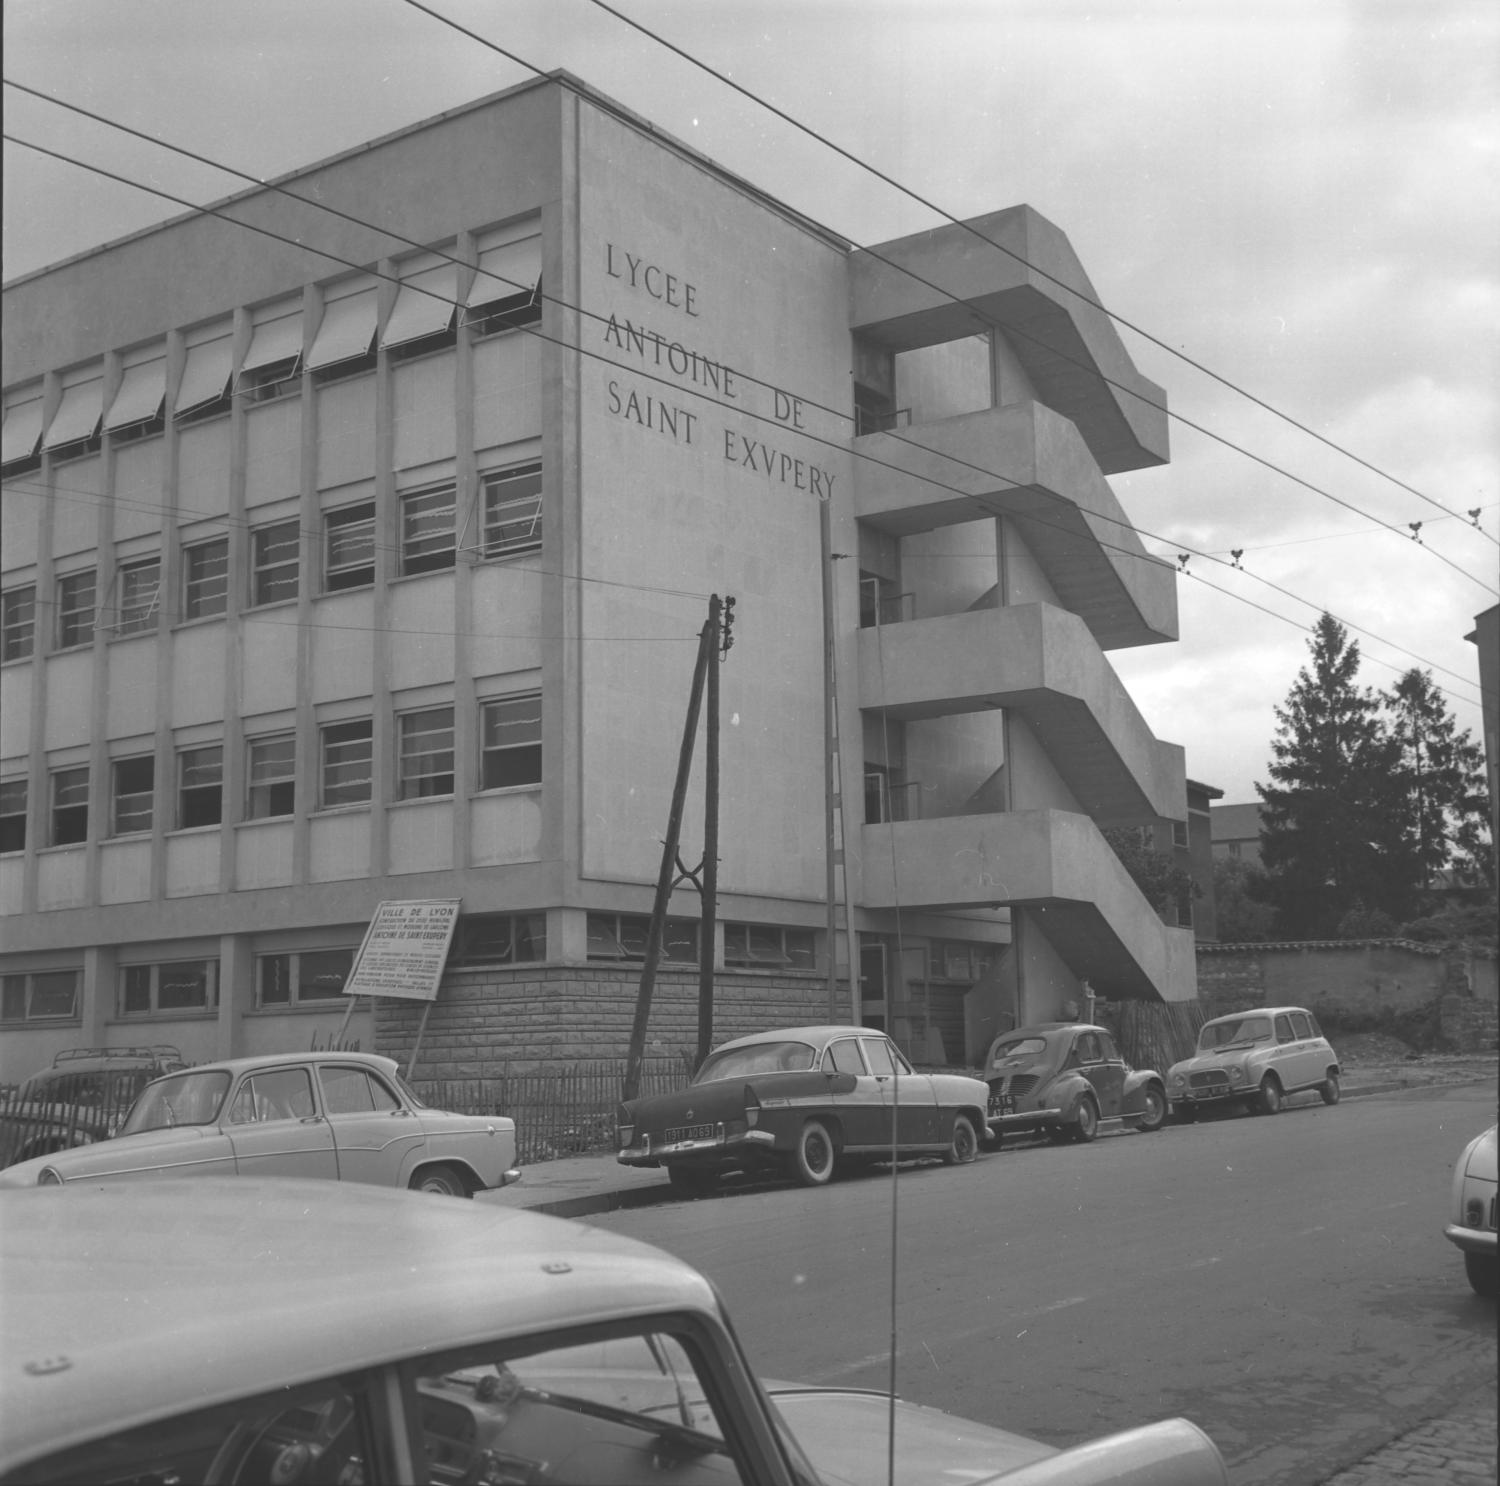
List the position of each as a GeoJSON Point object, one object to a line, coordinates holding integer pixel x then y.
{"type": "Point", "coordinates": [843, 1057]}
{"type": "Point", "coordinates": [1107, 1049]}
{"type": "Point", "coordinates": [1302, 1024]}
{"type": "Point", "coordinates": [1087, 1048]}
{"type": "Point", "coordinates": [191, 1098]}
{"type": "Point", "coordinates": [756, 1057]}
{"type": "Point", "coordinates": [252, 1442]}
{"type": "Point", "coordinates": [878, 1056]}
{"type": "Point", "coordinates": [591, 1412]}
{"type": "Point", "coordinates": [1214, 1035]}
{"type": "Point", "coordinates": [1283, 1029]}
{"type": "Point", "coordinates": [281, 1094]}
{"type": "Point", "coordinates": [1021, 1047]}
{"type": "Point", "coordinates": [353, 1091]}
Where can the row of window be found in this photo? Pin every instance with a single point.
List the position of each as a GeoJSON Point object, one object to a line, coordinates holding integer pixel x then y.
{"type": "Point", "coordinates": [510, 755]}
{"type": "Point", "coordinates": [510, 516]}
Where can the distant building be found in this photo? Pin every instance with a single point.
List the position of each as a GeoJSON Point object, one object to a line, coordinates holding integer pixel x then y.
{"type": "Point", "coordinates": [334, 580]}
{"type": "Point", "coordinates": [1236, 832]}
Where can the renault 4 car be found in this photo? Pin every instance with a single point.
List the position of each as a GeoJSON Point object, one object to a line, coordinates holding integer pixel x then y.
{"type": "Point", "coordinates": [235, 1333]}
{"type": "Point", "coordinates": [1255, 1058]}
{"type": "Point", "coordinates": [1471, 1214]}
{"type": "Point", "coordinates": [1067, 1080]}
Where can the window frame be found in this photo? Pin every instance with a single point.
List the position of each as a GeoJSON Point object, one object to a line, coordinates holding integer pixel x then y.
{"type": "Point", "coordinates": [264, 794]}
{"type": "Point", "coordinates": [424, 549]}
{"type": "Point", "coordinates": [326, 764]}
{"type": "Point", "coordinates": [56, 808]}
{"type": "Point", "coordinates": [520, 928]}
{"type": "Point", "coordinates": [602, 926]}
{"type": "Point", "coordinates": [407, 725]}
{"type": "Point", "coordinates": [144, 764]}
{"type": "Point", "coordinates": [342, 576]}
{"type": "Point", "coordinates": [28, 989]}
{"type": "Point", "coordinates": [136, 611]}
{"type": "Point", "coordinates": [492, 509]}
{"type": "Point", "coordinates": [18, 630]}
{"type": "Point", "coordinates": [268, 574]}
{"type": "Point", "coordinates": [193, 795]}
{"type": "Point", "coordinates": [196, 599]}
{"type": "Point", "coordinates": [73, 630]}
{"type": "Point", "coordinates": [749, 959]}
{"type": "Point", "coordinates": [290, 963]}
{"type": "Point", "coordinates": [16, 789]}
{"type": "Point", "coordinates": [496, 752]}
{"type": "Point", "coordinates": [150, 972]}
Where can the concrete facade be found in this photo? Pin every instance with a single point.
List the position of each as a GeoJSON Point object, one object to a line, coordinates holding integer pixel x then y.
{"type": "Point", "coordinates": [376, 572]}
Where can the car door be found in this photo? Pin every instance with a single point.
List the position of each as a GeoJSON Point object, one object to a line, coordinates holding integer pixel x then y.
{"type": "Point", "coordinates": [862, 1111]}
{"type": "Point", "coordinates": [374, 1134]}
{"type": "Point", "coordinates": [276, 1128]}
{"type": "Point", "coordinates": [1309, 1063]}
{"type": "Point", "coordinates": [1105, 1076]}
{"type": "Point", "coordinates": [917, 1118]}
{"type": "Point", "coordinates": [1287, 1057]}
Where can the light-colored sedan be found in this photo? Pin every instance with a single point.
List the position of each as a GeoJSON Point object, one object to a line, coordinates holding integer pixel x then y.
{"type": "Point", "coordinates": [341, 1116]}
{"type": "Point", "coordinates": [1471, 1214]}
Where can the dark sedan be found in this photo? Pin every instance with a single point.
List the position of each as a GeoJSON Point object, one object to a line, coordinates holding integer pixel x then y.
{"type": "Point", "coordinates": [796, 1101]}
{"type": "Point", "coordinates": [1068, 1081]}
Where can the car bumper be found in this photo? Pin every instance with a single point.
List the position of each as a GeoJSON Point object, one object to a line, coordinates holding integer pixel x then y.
{"type": "Point", "coordinates": [652, 1153]}
{"type": "Point", "coordinates": [1471, 1240]}
{"type": "Point", "coordinates": [1023, 1119]}
{"type": "Point", "coordinates": [1219, 1094]}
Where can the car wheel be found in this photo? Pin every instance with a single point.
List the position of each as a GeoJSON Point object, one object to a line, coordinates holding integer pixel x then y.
{"type": "Point", "coordinates": [1329, 1089]}
{"type": "Point", "coordinates": [1268, 1096]}
{"type": "Point", "coordinates": [1086, 1126]}
{"type": "Point", "coordinates": [1154, 1116]}
{"type": "Point", "coordinates": [1484, 1274]}
{"type": "Point", "coordinates": [443, 1180]}
{"type": "Point", "coordinates": [964, 1144]}
{"type": "Point", "coordinates": [689, 1181]}
{"type": "Point", "coordinates": [812, 1159]}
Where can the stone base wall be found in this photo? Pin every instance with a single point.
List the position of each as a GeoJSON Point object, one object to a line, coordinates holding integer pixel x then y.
{"type": "Point", "coordinates": [534, 1018]}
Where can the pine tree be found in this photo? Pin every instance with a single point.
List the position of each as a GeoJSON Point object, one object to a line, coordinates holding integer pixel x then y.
{"type": "Point", "coordinates": [1442, 779]}
{"type": "Point", "coordinates": [1331, 839]}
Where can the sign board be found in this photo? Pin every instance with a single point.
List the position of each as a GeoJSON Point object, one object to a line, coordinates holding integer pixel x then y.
{"type": "Point", "coordinates": [404, 950]}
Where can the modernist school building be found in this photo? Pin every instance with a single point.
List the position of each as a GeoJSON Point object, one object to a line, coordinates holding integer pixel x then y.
{"type": "Point", "coordinates": [363, 557]}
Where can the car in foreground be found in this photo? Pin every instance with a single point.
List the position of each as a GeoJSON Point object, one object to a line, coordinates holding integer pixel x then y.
{"type": "Point", "coordinates": [343, 1116]}
{"type": "Point", "coordinates": [1067, 1080]}
{"type": "Point", "coordinates": [234, 1332]}
{"type": "Point", "coordinates": [1471, 1213]}
{"type": "Point", "coordinates": [1255, 1058]}
{"type": "Point", "coordinates": [797, 1101]}
{"type": "Point", "coordinates": [83, 1097]}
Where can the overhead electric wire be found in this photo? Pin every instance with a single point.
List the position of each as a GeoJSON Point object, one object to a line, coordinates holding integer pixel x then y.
{"type": "Point", "coordinates": [1119, 319]}
{"type": "Point", "coordinates": [1014, 332]}
{"type": "Point", "coordinates": [864, 455]}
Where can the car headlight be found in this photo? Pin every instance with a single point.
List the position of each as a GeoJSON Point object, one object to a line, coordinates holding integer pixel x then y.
{"type": "Point", "coordinates": [47, 1177]}
{"type": "Point", "coordinates": [627, 1134]}
{"type": "Point", "coordinates": [1179, 1080]}
{"type": "Point", "coordinates": [1237, 1075]}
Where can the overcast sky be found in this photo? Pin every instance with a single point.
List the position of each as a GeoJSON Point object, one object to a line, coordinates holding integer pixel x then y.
{"type": "Point", "coordinates": [1301, 196]}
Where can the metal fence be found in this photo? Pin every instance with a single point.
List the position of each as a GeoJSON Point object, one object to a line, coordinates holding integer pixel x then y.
{"type": "Point", "coordinates": [32, 1125]}
{"type": "Point", "coordinates": [558, 1111]}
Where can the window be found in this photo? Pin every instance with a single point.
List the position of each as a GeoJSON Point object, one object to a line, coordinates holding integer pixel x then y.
{"type": "Point", "coordinates": [181, 985]}
{"type": "Point", "coordinates": [135, 780]}
{"type": "Point", "coordinates": [956, 959]}
{"type": "Point", "coordinates": [12, 815]}
{"type": "Point", "coordinates": [507, 289]}
{"type": "Point", "coordinates": [266, 383]}
{"type": "Point", "coordinates": [42, 996]}
{"type": "Point", "coordinates": [200, 787]}
{"type": "Point", "coordinates": [427, 536]}
{"type": "Point", "coordinates": [295, 979]}
{"type": "Point", "coordinates": [1284, 1029]}
{"type": "Point", "coordinates": [766, 944]}
{"type": "Point", "coordinates": [500, 938]}
{"type": "Point", "coordinates": [622, 936]}
{"type": "Point", "coordinates": [346, 770]}
{"type": "Point", "coordinates": [1179, 833]}
{"type": "Point", "coordinates": [843, 1057]}
{"type": "Point", "coordinates": [203, 391]}
{"type": "Point", "coordinates": [17, 622]}
{"type": "Point", "coordinates": [510, 742]}
{"type": "Point", "coordinates": [354, 1091]}
{"type": "Point", "coordinates": [275, 553]}
{"type": "Point", "coordinates": [279, 1094]}
{"type": "Point", "coordinates": [140, 588]}
{"type": "Point", "coordinates": [70, 806]}
{"type": "Point", "coordinates": [205, 579]}
{"type": "Point", "coordinates": [75, 609]}
{"type": "Point", "coordinates": [426, 766]}
{"type": "Point", "coordinates": [888, 796]}
{"type": "Point", "coordinates": [349, 548]}
{"type": "Point", "coordinates": [1301, 1025]}
{"type": "Point", "coordinates": [272, 777]}
{"type": "Point", "coordinates": [512, 510]}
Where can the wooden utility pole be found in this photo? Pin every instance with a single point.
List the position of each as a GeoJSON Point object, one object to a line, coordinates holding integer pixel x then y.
{"type": "Point", "coordinates": [719, 619]}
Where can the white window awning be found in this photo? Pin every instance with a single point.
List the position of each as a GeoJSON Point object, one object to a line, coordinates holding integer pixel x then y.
{"type": "Point", "coordinates": [273, 341]}
{"type": "Point", "coordinates": [23, 431]}
{"type": "Point", "coordinates": [78, 414]}
{"type": "Point", "coordinates": [348, 330]}
{"type": "Point", "coordinates": [505, 271]}
{"type": "Point", "coordinates": [205, 378]}
{"type": "Point", "coordinates": [143, 389]}
{"type": "Point", "coordinates": [425, 304]}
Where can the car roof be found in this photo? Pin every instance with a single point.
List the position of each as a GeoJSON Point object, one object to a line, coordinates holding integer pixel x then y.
{"type": "Point", "coordinates": [1036, 1029]}
{"type": "Point", "coordinates": [278, 1060]}
{"type": "Point", "coordinates": [819, 1037]}
{"type": "Point", "coordinates": [1232, 1016]}
{"type": "Point", "coordinates": [130, 1302]}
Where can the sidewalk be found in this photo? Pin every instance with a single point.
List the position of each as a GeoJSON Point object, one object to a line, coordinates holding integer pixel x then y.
{"type": "Point", "coordinates": [1457, 1449]}
{"type": "Point", "coordinates": [579, 1186]}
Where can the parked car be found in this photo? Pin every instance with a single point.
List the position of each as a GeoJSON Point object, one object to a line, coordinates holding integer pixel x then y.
{"type": "Point", "coordinates": [1255, 1058]}
{"type": "Point", "coordinates": [1471, 1214]}
{"type": "Point", "coordinates": [343, 1116]}
{"type": "Point", "coordinates": [1068, 1080]}
{"type": "Point", "coordinates": [233, 1332]}
{"type": "Point", "coordinates": [83, 1097]}
{"type": "Point", "coordinates": [797, 1100]}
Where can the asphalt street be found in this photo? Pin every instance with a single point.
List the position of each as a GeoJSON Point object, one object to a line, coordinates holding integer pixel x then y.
{"type": "Point", "coordinates": [1283, 1282]}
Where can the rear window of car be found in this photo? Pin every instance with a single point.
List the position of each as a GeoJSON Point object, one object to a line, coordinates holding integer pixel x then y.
{"type": "Point", "coordinates": [1022, 1047]}
{"type": "Point", "coordinates": [757, 1057]}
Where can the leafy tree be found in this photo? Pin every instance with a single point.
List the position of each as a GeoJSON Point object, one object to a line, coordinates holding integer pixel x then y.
{"type": "Point", "coordinates": [1331, 838]}
{"type": "Point", "coordinates": [1240, 916]}
{"type": "Point", "coordinates": [1442, 780]}
{"type": "Point", "coordinates": [1164, 884]}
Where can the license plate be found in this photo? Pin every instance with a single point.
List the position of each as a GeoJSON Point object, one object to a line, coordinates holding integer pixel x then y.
{"type": "Point", "coordinates": [688, 1132]}
{"type": "Point", "coordinates": [1002, 1104]}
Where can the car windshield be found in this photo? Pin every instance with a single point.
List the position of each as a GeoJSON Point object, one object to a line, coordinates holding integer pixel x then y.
{"type": "Point", "coordinates": [756, 1057]}
{"type": "Point", "coordinates": [1019, 1047]}
{"type": "Point", "coordinates": [183, 1099]}
{"type": "Point", "coordinates": [1237, 1029]}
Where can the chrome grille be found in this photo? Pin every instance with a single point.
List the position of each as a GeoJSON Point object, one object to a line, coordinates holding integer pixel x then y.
{"type": "Point", "coordinates": [1215, 1079]}
{"type": "Point", "coordinates": [1023, 1083]}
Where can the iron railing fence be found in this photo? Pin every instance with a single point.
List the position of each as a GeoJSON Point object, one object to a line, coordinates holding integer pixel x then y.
{"type": "Point", "coordinates": [565, 1111]}
{"type": "Point", "coordinates": [37, 1125]}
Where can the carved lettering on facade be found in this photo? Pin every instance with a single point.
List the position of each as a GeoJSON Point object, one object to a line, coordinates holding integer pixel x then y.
{"type": "Point", "coordinates": [652, 279]}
